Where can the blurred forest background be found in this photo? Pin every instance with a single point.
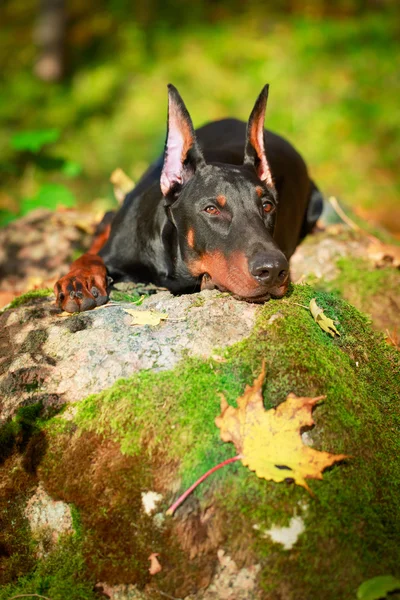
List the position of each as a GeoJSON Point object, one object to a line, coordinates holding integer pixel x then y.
{"type": "Point", "coordinates": [83, 91]}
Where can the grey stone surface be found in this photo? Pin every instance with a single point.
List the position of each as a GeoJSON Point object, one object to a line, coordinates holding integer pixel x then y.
{"type": "Point", "coordinates": [47, 518]}
{"type": "Point", "coordinates": [317, 256]}
{"type": "Point", "coordinates": [58, 359]}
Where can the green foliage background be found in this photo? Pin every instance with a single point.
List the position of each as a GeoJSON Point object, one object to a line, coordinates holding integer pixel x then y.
{"type": "Point", "coordinates": [333, 69]}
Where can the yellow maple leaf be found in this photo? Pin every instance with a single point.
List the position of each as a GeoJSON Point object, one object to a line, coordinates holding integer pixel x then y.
{"type": "Point", "coordinates": [323, 321]}
{"type": "Point", "coordinates": [269, 441]}
{"type": "Point", "coordinates": [145, 317]}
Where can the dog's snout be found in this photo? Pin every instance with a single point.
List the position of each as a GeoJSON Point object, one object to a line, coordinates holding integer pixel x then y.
{"type": "Point", "coordinates": [269, 270]}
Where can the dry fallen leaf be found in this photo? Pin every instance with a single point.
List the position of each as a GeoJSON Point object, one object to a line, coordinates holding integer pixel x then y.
{"type": "Point", "coordinates": [122, 183]}
{"type": "Point", "coordinates": [393, 338]}
{"type": "Point", "coordinates": [269, 441]}
{"type": "Point", "coordinates": [145, 317]}
{"type": "Point", "coordinates": [323, 321]}
{"type": "Point", "coordinates": [155, 566]}
{"type": "Point", "coordinates": [384, 254]}
{"type": "Point", "coordinates": [6, 298]}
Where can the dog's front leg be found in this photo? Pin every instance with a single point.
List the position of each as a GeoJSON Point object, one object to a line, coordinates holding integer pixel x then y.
{"type": "Point", "coordinates": [85, 286]}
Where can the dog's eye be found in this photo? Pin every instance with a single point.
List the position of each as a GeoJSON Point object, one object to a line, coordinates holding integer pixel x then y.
{"type": "Point", "coordinates": [268, 207]}
{"type": "Point", "coordinates": [212, 210]}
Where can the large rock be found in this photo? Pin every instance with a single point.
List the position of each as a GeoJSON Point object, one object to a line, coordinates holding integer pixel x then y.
{"type": "Point", "coordinates": [119, 458]}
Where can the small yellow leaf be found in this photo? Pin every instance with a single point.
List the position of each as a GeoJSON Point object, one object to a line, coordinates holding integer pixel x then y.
{"type": "Point", "coordinates": [323, 321]}
{"type": "Point", "coordinates": [269, 441]}
{"type": "Point", "coordinates": [145, 317]}
{"type": "Point", "coordinates": [122, 183]}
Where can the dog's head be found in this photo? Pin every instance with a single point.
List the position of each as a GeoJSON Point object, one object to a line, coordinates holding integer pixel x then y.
{"type": "Point", "coordinates": [224, 214]}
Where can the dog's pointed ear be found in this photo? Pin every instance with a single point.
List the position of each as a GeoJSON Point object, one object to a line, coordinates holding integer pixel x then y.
{"type": "Point", "coordinates": [182, 155]}
{"type": "Point", "coordinates": [254, 153]}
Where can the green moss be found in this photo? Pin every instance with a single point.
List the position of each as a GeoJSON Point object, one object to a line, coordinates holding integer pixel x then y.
{"type": "Point", "coordinates": [198, 302]}
{"type": "Point", "coordinates": [24, 298]}
{"type": "Point", "coordinates": [76, 521]}
{"type": "Point", "coordinates": [104, 487]}
{"type": "Point", "coordinates": [365, 280]}
{"type": "Point", "coordinates": [16, 545]}
{"type": "Point", "coordinates": [134, 297]}
{"type": "Point", "coordinates": [356, 513]}
{"type": "Point", "coordinates": [22, 446]}
{"type": "Point", "coordinates": [61, 574]}
{"type": "Point", "coordinates": [58, 425]}
{"type": "Point", "coordinates": [178, 405]}
{"type": "Point", "coordinates": [17, 432]}
{"type": "Point", "coordinates": [372, 290]}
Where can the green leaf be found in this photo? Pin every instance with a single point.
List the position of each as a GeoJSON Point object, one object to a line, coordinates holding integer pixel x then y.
{"type": "Point", "coordinates": [34, 140]}
{"type": "Point", "coordinates": [49, 196]}
{"type": "Point", "coordinates": [71, 168]}
{"type": "Point", "coordinates": [378, 587]}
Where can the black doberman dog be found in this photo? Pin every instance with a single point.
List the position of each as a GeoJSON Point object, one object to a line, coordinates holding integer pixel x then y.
{"type": "Point", "coordinates": [209, 213]}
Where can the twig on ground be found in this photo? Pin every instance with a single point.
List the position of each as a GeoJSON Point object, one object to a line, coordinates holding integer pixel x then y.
{"type": "Point", "coordinates": [339, 210]}
{"type": "Point", "coordinates": [302, 305]}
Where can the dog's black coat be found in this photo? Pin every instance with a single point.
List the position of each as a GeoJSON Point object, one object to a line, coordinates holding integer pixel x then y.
{"type": "Point", "coordinates": [224, 207]}
{"type": "Point", "coordinates": [143, 244]}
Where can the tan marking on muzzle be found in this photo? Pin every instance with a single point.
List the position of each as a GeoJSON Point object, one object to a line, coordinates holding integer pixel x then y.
{"type": "Point", "coordinates": [231, 274]}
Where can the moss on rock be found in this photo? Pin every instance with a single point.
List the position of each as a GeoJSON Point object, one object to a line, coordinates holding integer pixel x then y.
{"type": "Point", "coordinates": [25, 298]}
{"type": "Point", "coordinates": [373, 291]}
{"type": "Point", "coordinates": [156, 431]}
{"type": "Point", "coordinates": [353, 524]}
{"type": "Point", "coordinates": [343, 261]}
{"type": "Point", "coordinates": [61, 574]}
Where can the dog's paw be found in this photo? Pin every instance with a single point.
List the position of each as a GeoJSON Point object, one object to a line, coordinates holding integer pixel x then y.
{"type": "Point", "coordinates": [79, 291]}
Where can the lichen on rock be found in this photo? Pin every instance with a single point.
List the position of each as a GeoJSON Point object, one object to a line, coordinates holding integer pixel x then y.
{"type": "Point", "coordinates": [48, 518]}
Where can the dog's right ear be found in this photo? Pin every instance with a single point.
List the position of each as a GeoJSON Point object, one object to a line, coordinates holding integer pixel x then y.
{"type": "Point", "coordinates": [182, 155]}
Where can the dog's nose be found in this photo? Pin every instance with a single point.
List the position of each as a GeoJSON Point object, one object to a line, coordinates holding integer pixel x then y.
{"type": "Point", "coordinates": [267, 269]}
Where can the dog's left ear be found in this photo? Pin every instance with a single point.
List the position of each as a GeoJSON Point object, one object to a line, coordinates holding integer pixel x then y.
{"type": "Point", "coordinates": [182, 155]}
{"type": "Point", "coordinates": [254, 153]}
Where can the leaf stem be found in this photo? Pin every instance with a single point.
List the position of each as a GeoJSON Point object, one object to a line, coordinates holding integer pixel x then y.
{"type": "Point", "coordinates": [183, 497]}
{"type": "Point", "coordinates": [302, 305]}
